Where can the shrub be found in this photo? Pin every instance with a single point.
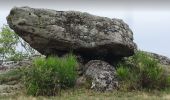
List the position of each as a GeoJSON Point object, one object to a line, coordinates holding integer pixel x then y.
{"type": "Point", "coordinates": [142, 71]}
{"type": "Point", "coordinates": [48, 76]}
{"type": "Point", "coordinates": [127, 76]}
{"type": "Point", "coordinates": [123, 72]}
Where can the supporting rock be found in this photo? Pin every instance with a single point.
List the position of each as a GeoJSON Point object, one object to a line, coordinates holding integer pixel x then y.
{"type": "Point", "coordinates": [102, 75]}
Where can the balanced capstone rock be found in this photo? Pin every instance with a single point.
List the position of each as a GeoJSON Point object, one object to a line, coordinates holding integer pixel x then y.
{"type": "Point", "coordinates": [58, 32]}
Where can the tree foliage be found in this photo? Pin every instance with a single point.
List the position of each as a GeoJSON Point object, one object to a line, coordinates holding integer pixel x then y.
{"type": "Point", "coordinates": [10, 43]}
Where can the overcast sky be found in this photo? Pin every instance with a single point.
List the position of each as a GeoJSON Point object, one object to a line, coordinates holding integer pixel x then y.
{"type": "Point", "coordinates": [149, 20]}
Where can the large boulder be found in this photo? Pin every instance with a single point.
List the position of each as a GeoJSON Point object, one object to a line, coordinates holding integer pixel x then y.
{"type": "Point", "coordinates": [59, 32]}
{"type": "Point", "coordinates": [101, 75]}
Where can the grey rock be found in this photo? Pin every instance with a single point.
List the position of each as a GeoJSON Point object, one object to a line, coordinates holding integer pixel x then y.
{"type": "Point", "coordinates": [1, 61]}
{"type": "Point", "coordinates": [9, 65]}
{"type": "Point", "coordinates": [59, 32]}
{"type": "Point", "coordinates": [162, 59]}
{"type": "Point", "coordinates": [81, 82]}
{"type": "Point", "coordinates": [102, 75]}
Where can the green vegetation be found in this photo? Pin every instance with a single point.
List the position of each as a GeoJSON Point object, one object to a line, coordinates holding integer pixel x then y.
{"type": "Point", "coordinates": [51, 76]}
{"type": "Point", "coordinates": [9, 42]}
{"type": "Point", "coordinates": [84, 94]}
{"type": "Point", "coordinates": [48, 76]}
{"type": "Point", "coordinates": [141, 71]}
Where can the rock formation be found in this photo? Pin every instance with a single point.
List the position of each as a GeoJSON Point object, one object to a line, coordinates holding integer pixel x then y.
{"type": "Point", "coordinates": [59, 32]}
{"type": "Point", "coordinates": [88, 36]}
{"type": "Point", "coordinates": [102, 75]}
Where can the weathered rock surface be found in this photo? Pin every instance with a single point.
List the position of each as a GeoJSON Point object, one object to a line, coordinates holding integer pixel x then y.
{"type": "Point", "coordinates": [102, 75]}
{"type": "Point", "coordinates": [162, 59]}
{"type": "Point", "coordinates": [9, 84]}
{"type": "Point", "coordinates": [10, 65]}
{"type": "Point", "coordinates": [59, 32]}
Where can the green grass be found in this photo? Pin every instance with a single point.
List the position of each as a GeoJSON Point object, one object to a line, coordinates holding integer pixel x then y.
{"type": "Point", "coordinates": [84, 94]}
{"type": "Point", "coordinates": [128, 74]}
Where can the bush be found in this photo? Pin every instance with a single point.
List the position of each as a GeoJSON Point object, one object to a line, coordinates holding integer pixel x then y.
{"type": "Point", "coordinates": [123, 72]}
{"type": "Point", "coordinates": [48, 76]}
{"type": "Point", "coordinates": [128, 77]}
{"type": "Point", "coordinates": [141, 71]}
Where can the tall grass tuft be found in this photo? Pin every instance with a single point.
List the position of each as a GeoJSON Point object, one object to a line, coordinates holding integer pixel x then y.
{"type": "Point", "coordinates": [141, 71]}
{"type": "Point", "coordinates": [48, 76]}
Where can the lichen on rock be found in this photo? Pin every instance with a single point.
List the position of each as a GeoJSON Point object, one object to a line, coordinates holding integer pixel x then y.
{"type": "Point", "coordinates": [59, 32]}
{"type": "Point", "coordinates": [102, 75]}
